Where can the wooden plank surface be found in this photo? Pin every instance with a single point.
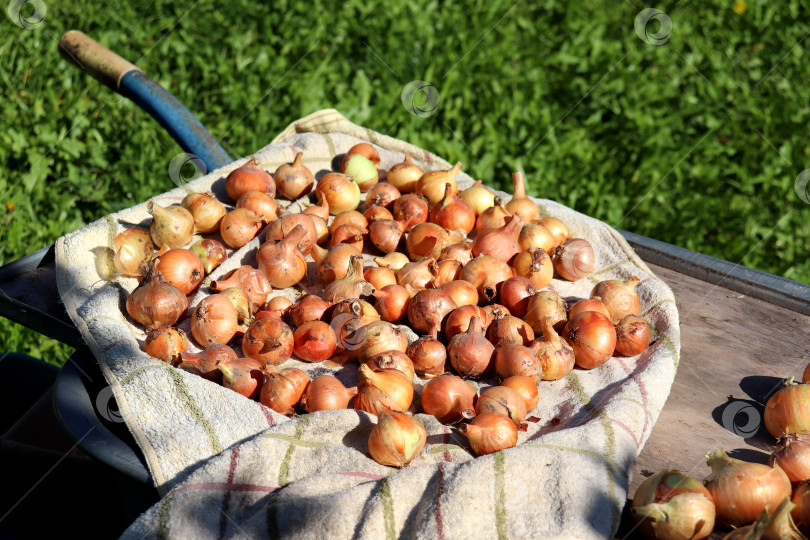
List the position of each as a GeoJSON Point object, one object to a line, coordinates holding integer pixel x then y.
{"type": "Point", "coordinates": [735, 352]}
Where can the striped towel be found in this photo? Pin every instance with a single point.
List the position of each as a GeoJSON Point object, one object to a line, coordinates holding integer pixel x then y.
{"type": "Point", "coordinates": [230, 467]}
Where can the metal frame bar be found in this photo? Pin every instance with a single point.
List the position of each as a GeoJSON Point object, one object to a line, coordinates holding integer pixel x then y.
{"type": "Point", "coordinates": [776, 290]}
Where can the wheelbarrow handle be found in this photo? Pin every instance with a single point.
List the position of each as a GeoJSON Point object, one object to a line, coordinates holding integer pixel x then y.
{"type": "Point", "coordinates": [125, 78]}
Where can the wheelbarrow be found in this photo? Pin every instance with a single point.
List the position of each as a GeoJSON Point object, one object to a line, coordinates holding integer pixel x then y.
{"type": "Point", "coordinates": [742, 336]}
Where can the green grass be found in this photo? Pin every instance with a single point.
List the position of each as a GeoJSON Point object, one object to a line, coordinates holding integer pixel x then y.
{"type": "Point", "coordinates": [696, 142]}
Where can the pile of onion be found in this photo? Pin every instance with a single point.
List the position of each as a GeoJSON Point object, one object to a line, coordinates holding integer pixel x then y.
{"type": "Point", "coordinates": [466, 271]}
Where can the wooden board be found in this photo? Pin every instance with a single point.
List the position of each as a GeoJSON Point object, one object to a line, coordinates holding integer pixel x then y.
{"type": "Point", "coordinates": [735, 352]}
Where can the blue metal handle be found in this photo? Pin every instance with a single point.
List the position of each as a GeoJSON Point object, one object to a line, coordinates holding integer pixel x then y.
{"type": "Point", "coordinates": [127, 79]}
{"type": "Point", "coordinates": [175, 118]}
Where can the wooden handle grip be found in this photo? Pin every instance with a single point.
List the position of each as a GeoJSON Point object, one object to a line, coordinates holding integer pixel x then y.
{"type": "Point", "coordinates": [93, 57]}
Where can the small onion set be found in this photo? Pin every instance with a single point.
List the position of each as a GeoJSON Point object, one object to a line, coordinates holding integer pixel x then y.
{"type": "Point", "coordinates": [466, 270]}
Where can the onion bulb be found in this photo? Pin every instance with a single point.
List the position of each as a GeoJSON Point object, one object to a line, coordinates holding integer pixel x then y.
{"type": "Point", "coordinates": [486, 273]}
{"type": "Point", "coordinates": [241, 302]}
{"type": "Point", "coordinates": [393, 260]}
{"type": "Point", "coordinates": [293, 180]}
{"type": "Point", "coordinates": [181, 268]}
{"type": "Point", "coordinates": [593, 338]}
{"type": "Point", "coordinates": [428, 308]}
{"type": "Point", "coordinates": [620, 297]}
{"type": "Point", "coordinates": [334, 264]}
{"type": "Point", "coordinates": [250, 280]}
{"type": "Point", "coordinates": [281, 263]}
{"type": "Point", "coordinates": [269, 341]}
{"type": "Point", "coordinates": [801, 513]}
{"type": "Point", "coordinates": [279, 306]}
{"type": "Point", "coordinates": [490, 432]}
{"type": "Point", "coordinates": [205, 363]}
{"type": "Point", "coordinates": [792, 454]}
{"type": "Point", "coordinates": [392, 302]}
{"type": "Point", "coordinates": [166, 344]}
{"type": "Point", "coordinates": [478, 197]}
{"type": "Point", "coordinates": [392, 360]}
{"type": "Point", "coordinates": [361, 170]}
{"type": "Point", "coordinates": [214, 321]}
{"type": "Point", "coordinates": [364, 149]}
{"type": "Point", "coordinates": [262, 204]}
{"type": "Point", "coordinates": [172, 226]}
{"type": "Point", "coordinates": [382, 195]}
{"type": "Point", "coordinates": [774, 524]}
{"type": "Point", "coordinates": [470, 352]}
{"type": "Point", "coordinates": [546, 304]}
{"type": "Point", "coordinates": [404, 176]}
{"type": "Point", "coordinates": [249, 177]}
{"type": "Point", "coordinates": [786, 411]}
{"type": "Point", "coordinates": [502, 242]}
{"type": "Point", "coordinates": [535, 265]}
{"type": "Point", "coordinates": [374, 213]}
{"type": "Point", "coordinates": [211, 253]}
{"type": "Point", "coordinates": [426, 240]}
{"type": "Point", "coordinates": [449, 398]}
{"type": "Point", "coordinates": [321, 228]}
{"type": "Point", "coordinates": [352, 285]}
{"type": "Point", "coordinates": [326, 393]}
{"type": "Point", "coordinates": [285, 224]}
{"type": "Point", "coordinates": [314, 341]}
{"type": "Point", "coordinates": [462, 292]}
{"type": "Point", "coordinates": [382, 337]}
{"type": "Point", "coordinates": [460, 252]}
{"type": "Point", "coordinates": [521, 204]}
{"type": "Point", "coordinates": [428, 356]}
{"type": "Point", "coordinates": [242, 375]}
{"type": "Point", "coordinates": [339, 191]}
{"type": "Point", "coordinates": [240, 226]}
{"type": "Point", "coordinates": [492, 218]}
{"type": "Point", "coordinates": [361, 310]}
{"type": "Point", "coordinates": [512, 359]}
{"type": "Point", "coordinates": [741, 490]}
{"type": "Point", "coordinates": [534, 235]}
{"type": "Point", "coordinates": [397, 439]}
{"type": "Point", "coordinates": [557, 228]}
{"type": "Point", "coordinates": [516, 293]}
{"type": "Point", "coordinates": [380, 276]}
{"type": "Point", "coordinates": [574, 259]}
{"type": "Point", "coordinates": [432, 184]}
{"type": "Point", "coordinates": [206, 211]}
{"type": "Point", "coordinates": [383, 391]}
{"type": "Point", "coordinates": [410, 210]}
{"type": "Point", "coordinates": [133, 248]}
{"type": "Point", "coordinates": [420, 275]}
{"type": "Point", "coordinates": [453, 213]}
{"type": "Point", "coordinates": [556, 355]}
{"type": "Point", "coordinates": [672, 505]}
{"type": "Point", "coordinates": [283, 389]}
{"type": "Point", "coordinates": [155, 303]}
{"type": "Point", "coordinates": [588, 304]}
{"type": "Point", "coordinates": [320, 210]}
{"type": "Point", "coordinates": [526, 387]}
{"type": "Point", "coordinates": [459, 320]}
{"type": "Point", "coordinates": [502, 400]}
{"type": "Point", "coordinates": [509, 329]}
{"type": "Point", "coordinates": [632, 335]}
{"type": "Point", "coordinates": [385, 234]}
{"type": "Point", "coordinates": [349, 234]}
